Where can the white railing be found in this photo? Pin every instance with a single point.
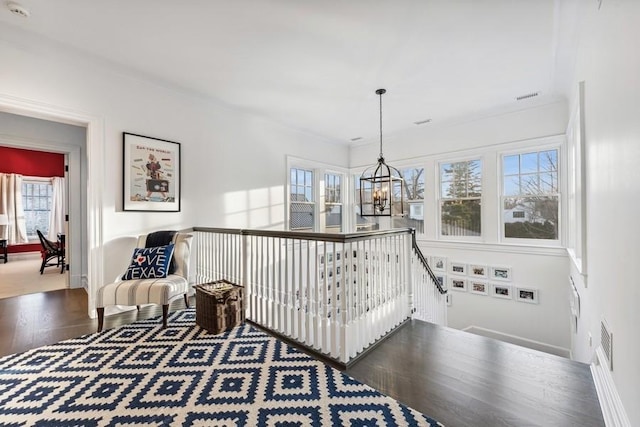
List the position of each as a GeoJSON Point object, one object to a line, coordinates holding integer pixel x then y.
{"type": "Point", "coordinates": [429, 302]}
{"type": "Point", "coordinates": [334, 293]}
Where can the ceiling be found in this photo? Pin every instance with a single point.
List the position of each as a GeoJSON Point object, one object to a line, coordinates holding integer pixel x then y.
{"type": "Point", "coordinates": [314, 65]}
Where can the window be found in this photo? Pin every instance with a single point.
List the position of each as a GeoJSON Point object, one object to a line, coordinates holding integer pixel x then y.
{"type": "Point", "coordinates": [460, 194]}
{"type": "Point", "coordinates": [333, 202]}
{"type": "Point", "coordinates": [36, 201]}
{"type": "Point", "coordinates": [363, 223]}
{"type": "Point", "coordinates": [413, 200]}
{"type": "Point", "coordinates": [530, 195]}
{"type": "Point", "coordinates": [302, 206]}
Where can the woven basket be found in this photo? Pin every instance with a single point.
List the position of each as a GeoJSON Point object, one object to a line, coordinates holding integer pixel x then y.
{"type": "Point", "coordinates": [219, 306]}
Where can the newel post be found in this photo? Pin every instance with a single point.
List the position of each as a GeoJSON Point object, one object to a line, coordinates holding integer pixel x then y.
{"type": "Point", "coordinates": [410, 239]}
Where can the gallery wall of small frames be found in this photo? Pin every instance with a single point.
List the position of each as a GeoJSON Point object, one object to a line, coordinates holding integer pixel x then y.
{"type": "Point", "coordinates": [480, 279]}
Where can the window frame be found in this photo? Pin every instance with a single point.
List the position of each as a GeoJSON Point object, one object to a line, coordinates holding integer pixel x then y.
{"type": "Point", "coordinates": [318, 170]}
{"type": "Point", "coordinates": [26, 180]}
{"type": "Point", "coordinates": [477, 156]}
{"type": "Point", "coordinates": [415, 165]}
{"type": "Point", "coordinates": [557, 145]}
{"type": "Point", "coordinates": [340, 202]}
{"type": "Point", "coordinates": [312, 203]}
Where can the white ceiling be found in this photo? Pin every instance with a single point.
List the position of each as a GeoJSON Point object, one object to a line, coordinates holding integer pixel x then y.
{"type": "Point", "coordinates": [315, 64]}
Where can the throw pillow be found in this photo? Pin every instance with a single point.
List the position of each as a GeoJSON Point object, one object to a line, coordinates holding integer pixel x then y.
{"type": "Point", "coordinates": [149, 263]}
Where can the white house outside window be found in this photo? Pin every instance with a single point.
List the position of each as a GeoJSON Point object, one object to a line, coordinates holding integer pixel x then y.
{"type": "Point", "coordinates": [530, 208]}
{"type": "Point", "coordinates": [460, 198]}
{"type": "Point", "coordinates": [413, 200]}
{"type": "Point", "coordinates": [302, 202]}
{"type": "Point", "coordinates": [36, 201]}
{"type": "Point", "coordinates": [333, 202]}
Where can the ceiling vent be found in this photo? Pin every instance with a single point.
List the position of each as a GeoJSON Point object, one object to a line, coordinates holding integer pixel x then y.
{"type": "Point", "coordinates": [527, 96]}
{"type": "Point", "coordinates": [18, 9]}
{"type": "Point", "coordinates": [421, 122]}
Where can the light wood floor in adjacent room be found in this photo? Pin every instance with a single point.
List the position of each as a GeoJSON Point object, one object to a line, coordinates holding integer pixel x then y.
{"type": "Point", "coordinates": [21, 276]}
{"type": "Point", "coordinates": [458, 378]}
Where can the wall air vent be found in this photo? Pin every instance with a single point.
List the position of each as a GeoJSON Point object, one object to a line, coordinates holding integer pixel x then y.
{"type": "Point", "coordinates": [606, 342]}
{"type": "Point", "coordinates": [527, 96]}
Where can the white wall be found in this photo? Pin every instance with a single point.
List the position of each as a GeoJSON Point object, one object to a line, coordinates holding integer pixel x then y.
{"type": "Point", "coordinates": [542, 326]}
{"type": "Point", "coordinates": [530, 121]}
{"type": "Point", "coordinates": [233, 164]}
{"type": "Point", "coordinates": [608, 61]}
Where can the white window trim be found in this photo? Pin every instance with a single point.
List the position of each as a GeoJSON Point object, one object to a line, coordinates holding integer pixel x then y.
{"type": "Point", "coordinates": [576, 184]}
{"type": "Point", "coordinates": [319, 169]}
{"type": "Point", "coordinates": [536, 145]}
{"type": "Point", "coordinates": [35, 180]}
{"type": "Point", "coordinates": [491, 198]}
{"type": "Point", "coordinates": [440, 199]}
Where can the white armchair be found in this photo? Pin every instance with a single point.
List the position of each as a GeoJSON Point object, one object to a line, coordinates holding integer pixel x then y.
{"type": "Point", "coordinates": [161, 291]}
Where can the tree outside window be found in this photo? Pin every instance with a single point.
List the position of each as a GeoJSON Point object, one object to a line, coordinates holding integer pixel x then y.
{"type": "Point", "coordinates": [413, 200]}
{"type": "Point", "coordinates": [460, 198]}
{"type": "Point", "coordinates": [530, 195]}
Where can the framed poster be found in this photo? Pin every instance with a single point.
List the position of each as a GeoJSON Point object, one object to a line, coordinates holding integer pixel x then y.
{"type": "Point", "coordinates": [151, 174]}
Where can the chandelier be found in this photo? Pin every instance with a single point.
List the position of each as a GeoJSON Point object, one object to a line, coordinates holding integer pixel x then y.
{"type": "Point", "coordinates": [381, 185]}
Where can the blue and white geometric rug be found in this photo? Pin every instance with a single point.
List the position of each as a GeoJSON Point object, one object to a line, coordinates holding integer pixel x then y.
{"type": "Point", "coordinates": [143, 375]}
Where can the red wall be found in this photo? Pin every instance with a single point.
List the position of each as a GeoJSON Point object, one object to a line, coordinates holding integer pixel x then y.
{"type": "Point", "coordinates": [30, 163]}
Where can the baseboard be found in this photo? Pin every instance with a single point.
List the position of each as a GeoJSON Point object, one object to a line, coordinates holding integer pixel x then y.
{"type": "Point", "coordinates": [610, 403]}
{"type": "Point", "coordinates": [21, 256]}
{"type": "Point", "coordinates": [523, 342]}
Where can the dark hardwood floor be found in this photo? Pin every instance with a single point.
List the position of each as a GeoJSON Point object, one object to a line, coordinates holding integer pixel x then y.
{"type": "Point", "coordinates": [458, 378]}
{"type": "Point", "coordinates": [462, 379]}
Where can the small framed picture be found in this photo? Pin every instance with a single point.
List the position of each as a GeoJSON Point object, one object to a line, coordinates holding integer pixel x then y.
{"type": "Point", "coordinates": [501, 291]}
{"type": "Point", "coordinates": [477, 270]}
{"type": "Point", "coordinates": [439, 263]}
{"type": "Point", "coordinates": [442, 279]}
{"type": "Point", "coordinates": [478, 287]}
{"type": "Point", "coordinates": [529, 295]}
{"type": "Point", "coordinates": [458, 283]}
{"type": "Point", "coordinates": [458, 268]}
{"type": "Point", "coordinates": [501, 273]}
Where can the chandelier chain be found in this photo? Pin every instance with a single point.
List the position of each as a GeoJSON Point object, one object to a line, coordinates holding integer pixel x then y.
{"type": "Point", "coordinates": [381, 155]}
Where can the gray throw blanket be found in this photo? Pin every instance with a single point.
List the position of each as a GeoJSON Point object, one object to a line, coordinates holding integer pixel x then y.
{"type": "Point", "coordinates": [162, 238]}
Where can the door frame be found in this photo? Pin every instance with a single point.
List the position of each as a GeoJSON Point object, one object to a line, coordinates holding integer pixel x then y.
{"type": "Point", "coordinates": [95, 179]}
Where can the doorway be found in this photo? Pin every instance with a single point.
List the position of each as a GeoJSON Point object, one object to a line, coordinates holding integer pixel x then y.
{"type": "Point", "coordinates": [91, 205]}
{"type": "Point", "coordinates": [39, 150]}
{"type": "Point", "coordinates": [40, 185]}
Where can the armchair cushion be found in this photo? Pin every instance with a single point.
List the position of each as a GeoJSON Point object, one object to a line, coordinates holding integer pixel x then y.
{"type": "Point", "coordinates": [149, 263]}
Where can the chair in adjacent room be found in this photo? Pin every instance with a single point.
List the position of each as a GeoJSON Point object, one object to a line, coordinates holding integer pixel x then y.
{"type": "Point", "coordinates": [142, 282]}
{"type": "Point", "coordinates": [53, 253]}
